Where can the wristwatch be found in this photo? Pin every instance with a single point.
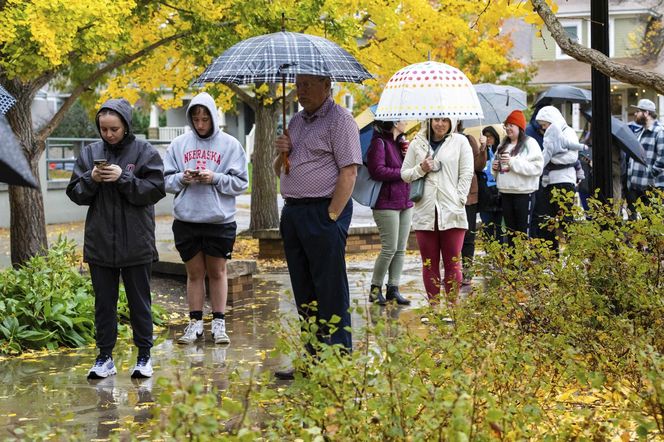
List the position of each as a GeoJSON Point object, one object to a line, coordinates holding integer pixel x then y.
{"type": "Point", "coordinates": [333, 215]}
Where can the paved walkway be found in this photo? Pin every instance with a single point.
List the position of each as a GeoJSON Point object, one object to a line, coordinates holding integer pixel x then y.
{"type": "Point", "coordinates": [361, 217]}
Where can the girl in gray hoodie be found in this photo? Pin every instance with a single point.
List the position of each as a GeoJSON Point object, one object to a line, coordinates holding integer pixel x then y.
{"type": "Point", "coordinates": [205, 169]}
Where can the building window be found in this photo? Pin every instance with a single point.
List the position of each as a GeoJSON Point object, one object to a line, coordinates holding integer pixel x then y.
{"type": "Point", "coordinates": [573, 29]}
{"type": "Point", "coordinates": [348, 102]}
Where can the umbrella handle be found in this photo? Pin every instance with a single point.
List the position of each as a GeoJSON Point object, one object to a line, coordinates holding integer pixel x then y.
{"type": "Point", "coordinates": [286, 162]}
{"type": "Point", "coordinates": [284, 155]}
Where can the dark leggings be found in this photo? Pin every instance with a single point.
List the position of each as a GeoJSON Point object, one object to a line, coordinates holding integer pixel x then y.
{"type": "Point", "coordinates": [468, 249]}
{"type": "Point", "coordinates": [552, 210]}
{"type": "Point", "coordinates": [516, 209]}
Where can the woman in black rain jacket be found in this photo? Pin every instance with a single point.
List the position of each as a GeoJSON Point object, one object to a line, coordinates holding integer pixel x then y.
{"type": "Point", "coordinates": [120, 178]}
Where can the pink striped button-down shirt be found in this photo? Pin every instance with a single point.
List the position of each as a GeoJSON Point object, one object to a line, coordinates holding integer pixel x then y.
{"type": "Point", "coordinates": [323, 143]}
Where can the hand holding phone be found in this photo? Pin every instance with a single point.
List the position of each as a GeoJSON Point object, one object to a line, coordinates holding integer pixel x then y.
{"type": "Point", "coordinates": [100, 163]}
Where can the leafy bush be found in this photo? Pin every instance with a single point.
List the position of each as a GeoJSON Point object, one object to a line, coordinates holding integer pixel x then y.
{"type": "Point", "coordinates": [48, 302]}
{"type": "Point", "coordinates": [549, 348]}
{"type": "Point", "coordinates": [76, 123]}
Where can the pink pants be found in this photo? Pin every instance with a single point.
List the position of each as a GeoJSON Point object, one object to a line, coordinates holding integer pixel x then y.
{"type": "Point", "coordinates": [432, 245]}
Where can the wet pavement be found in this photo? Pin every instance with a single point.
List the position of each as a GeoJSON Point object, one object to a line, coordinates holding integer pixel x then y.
{"type": "Point", "coordinates": [42, 387]}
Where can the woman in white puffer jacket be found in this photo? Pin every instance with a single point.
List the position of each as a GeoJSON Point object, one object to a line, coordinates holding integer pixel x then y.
{"type": "Point", "coordinates": [439, 218]}
{"type": "Point", "coordinates": [517, 167]}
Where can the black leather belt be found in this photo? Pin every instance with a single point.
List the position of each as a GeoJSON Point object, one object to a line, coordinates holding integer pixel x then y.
{"type": "Point", "coordinates": [301, 201]}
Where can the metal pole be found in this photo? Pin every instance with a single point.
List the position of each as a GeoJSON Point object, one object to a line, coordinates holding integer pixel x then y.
{"type": "Point", "coordinates": [601, 106]}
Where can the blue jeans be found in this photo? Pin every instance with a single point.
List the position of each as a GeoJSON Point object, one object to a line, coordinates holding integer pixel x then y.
{"type": "Point", "coordinates": [315, 249]}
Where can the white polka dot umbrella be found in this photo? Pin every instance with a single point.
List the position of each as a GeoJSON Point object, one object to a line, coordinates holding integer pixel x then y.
{"type": "Point", "coordinates": [428, 90]}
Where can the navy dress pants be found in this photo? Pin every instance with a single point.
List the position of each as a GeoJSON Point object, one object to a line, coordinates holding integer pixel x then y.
{"type": "Point", "coordinates": [315, 249]}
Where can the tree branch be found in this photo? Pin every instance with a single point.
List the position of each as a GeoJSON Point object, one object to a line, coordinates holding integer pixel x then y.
{"type": "Point", "coordinates": [243, 95]}
{"type": "Point", "coordinates": [619, 71]}
{"type": "Point", "coordinates": [98, 74]}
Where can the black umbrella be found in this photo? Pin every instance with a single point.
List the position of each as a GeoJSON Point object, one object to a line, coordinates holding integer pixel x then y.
{"type": "Point", "coordinates": [624, 138]}
{"type": "Point", "coordinates": [14, 168]}
{"type": "Point", "coordinates": [563, 93]}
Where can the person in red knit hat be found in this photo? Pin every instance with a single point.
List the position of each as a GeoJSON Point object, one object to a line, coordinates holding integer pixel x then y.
{"type": "Point", "coordinates": [517, 167]}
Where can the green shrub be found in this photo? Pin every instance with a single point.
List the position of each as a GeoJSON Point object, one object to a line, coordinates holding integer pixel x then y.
{"type": "Point", "coordinates": [48, 302]}
{"type": "Point", "coordinates": [548, 348]}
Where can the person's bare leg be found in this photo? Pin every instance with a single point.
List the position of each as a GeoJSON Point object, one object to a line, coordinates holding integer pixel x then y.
{"type": "Point", "coordinates": [196, 282]}
{"type": "Point", "coordinates": [218, 280]}
{"type": "Point", "coordinates": [195, 298]}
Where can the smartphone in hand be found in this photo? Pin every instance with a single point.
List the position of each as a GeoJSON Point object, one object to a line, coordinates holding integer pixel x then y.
{"type": "Point", "coordinates": [101, 163]}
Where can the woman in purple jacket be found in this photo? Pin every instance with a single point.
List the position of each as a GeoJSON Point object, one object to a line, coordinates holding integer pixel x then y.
{"type": "Point", "coordinates": [393, 210]}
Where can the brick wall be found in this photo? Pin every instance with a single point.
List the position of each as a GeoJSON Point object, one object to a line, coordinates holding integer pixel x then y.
{"type": "Point", "coordinates": [240, 287]}
{"type": "Point", "coordinates": [360, 240]}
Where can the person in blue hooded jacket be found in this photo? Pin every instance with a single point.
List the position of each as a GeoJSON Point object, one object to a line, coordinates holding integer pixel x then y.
{"type": "Point", "coordinates": [120, 178]}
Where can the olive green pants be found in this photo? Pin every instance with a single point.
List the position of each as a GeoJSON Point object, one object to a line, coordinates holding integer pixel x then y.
{"type": "Point", "coordinates": [393, 228]}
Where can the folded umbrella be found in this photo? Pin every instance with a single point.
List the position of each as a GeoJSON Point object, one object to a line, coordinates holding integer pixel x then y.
{"type": "Point", "coordinates": [14, 168]}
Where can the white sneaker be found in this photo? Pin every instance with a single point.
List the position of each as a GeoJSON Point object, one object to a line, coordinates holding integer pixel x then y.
{"type": "Point", "coordinates": [219, 332]}
{"type": "Point", "coordinates": [143, 368]}
{"type": "Point", "coordinates": [219, 356]}
{"type": "Point", "coordinates": [103, 368]}
{"type": "Point", "coordinates": [192, 332]}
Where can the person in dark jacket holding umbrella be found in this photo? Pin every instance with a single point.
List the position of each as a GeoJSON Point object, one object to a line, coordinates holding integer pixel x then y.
{"type": "Point", "coordinates": [393, 210]}
{"type": "Point", "coordinates": [120, 178]}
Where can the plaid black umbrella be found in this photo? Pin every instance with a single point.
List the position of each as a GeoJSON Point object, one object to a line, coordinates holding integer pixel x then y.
{"type": "Point", "coordinates": [6, 101]}
{"type": "Point", "coordinates": [268, 58]}
{"type": "Point", "coordinates": [279, 57]}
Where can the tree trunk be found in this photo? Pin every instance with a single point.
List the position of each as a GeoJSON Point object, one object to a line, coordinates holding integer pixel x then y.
{"type": "Point", "coordinates": [264, 211]}
{"type": "Point", "coordinates": [27, 220]}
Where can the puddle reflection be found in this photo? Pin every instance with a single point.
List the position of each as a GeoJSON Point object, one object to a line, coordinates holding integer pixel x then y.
{"type": "Point", "coordinates": [38, 388]}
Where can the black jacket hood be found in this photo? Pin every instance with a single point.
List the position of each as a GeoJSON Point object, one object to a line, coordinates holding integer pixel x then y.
{"type": "Point", "coordinates": [122, 107]}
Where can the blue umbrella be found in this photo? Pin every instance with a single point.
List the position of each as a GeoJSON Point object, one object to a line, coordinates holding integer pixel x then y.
{"type": "Point", "coordinates": [6, 100]}
{"type": "Point", "coordinates": [366, 133]}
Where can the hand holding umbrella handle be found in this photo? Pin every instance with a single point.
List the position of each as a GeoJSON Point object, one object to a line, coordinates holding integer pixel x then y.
{"type": "Point", "coordinates": [285, 162]}
{"type": "Point", "coordinates": [283, 146]}
{"type": "Point", "coordinates": [284, 157]}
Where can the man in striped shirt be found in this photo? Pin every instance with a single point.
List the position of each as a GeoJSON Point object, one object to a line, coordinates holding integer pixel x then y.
{"type": "Point", "coordinates": [642, 178]}
{"type": "Point", "coordinates": [323, 148]}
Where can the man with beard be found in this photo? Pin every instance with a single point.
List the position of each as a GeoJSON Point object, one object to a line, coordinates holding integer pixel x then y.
{"type": "Point", "coordinates": [642, 178]}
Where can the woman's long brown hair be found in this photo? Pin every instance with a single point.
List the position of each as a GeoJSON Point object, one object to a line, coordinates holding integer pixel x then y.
{"type": "Point", "coordinates": [520, 142]}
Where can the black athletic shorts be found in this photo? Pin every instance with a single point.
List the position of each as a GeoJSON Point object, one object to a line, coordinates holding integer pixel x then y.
{"type": "Point", "coordinates": [212, 239]}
